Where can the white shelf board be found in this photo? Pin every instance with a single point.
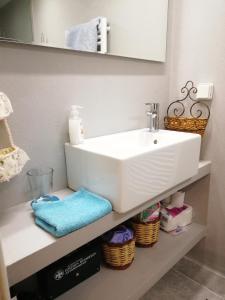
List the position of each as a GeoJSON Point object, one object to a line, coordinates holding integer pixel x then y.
{"type": "Point", "coordinates": [149, 266]}
{"type": "Point", "coordinates": [27, 248]}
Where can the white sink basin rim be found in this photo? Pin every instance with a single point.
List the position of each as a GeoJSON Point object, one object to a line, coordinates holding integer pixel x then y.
{"type": "Point", "coordinates": [129, 168]}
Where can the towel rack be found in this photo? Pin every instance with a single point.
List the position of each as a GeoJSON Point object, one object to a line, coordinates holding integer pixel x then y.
{"type": "Point", "coordinates": [103, 29]}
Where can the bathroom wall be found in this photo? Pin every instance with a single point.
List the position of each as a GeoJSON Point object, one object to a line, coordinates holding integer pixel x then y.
{"type": "Point", "coordinates": [42, 85]}
{"type": "Point", "coordinates": [197, 52]}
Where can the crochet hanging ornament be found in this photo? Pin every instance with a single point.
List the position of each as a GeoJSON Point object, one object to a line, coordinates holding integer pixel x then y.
{"type": "Point", "coordinates": [12, 158]}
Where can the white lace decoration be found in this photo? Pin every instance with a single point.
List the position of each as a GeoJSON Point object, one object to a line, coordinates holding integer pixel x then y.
{"type": "Point", "coordinates": [11, 164]}
{"type": "Point", "coordinates": [5, 106]}
{"type": "Point", "coordinates": [12, 158]}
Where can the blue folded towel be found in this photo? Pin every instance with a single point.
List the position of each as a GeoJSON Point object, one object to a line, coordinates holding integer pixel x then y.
{"type": "Point", "coordinates": [60, 217]}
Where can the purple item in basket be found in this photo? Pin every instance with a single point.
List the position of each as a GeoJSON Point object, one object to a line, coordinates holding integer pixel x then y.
{"type": "Point", "coordinates": [119, 235]}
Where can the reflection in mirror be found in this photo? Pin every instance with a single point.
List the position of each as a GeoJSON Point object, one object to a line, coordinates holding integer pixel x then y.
{"type": "Point", "coordinates": [129, 28]}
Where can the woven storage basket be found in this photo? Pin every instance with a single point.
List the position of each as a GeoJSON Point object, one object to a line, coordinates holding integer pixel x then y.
{"type": "Point", "coordinates": [146, 234]}
{"type": "Point", "coordinates": [119, 256]}
{"type": "Point", "coordinates": [192, 125]}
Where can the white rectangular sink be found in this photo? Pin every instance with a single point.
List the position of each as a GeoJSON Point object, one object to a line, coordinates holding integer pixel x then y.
{"type": "Point", "coordinates": [129, 168]}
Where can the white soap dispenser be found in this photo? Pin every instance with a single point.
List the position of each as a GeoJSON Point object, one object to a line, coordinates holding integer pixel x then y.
{"type": "Point", "coordinates": [75, 126]}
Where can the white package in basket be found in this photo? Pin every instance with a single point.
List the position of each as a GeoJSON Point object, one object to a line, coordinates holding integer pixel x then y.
{"type": "Point", "coordinates": [169, 223]}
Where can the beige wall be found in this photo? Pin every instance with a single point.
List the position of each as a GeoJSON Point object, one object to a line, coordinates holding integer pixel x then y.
{"type": "Point", "coordinates": [197, 52]}
{"type": "Point", "coordinates": [42, 85]}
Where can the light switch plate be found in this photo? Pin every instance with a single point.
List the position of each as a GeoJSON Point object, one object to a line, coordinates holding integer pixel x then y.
{"type": "Point", "coordinates": [205, 91]}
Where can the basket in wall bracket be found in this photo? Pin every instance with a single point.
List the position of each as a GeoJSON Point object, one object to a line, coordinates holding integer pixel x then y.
{"type": "Point", "coordinates": [12, 158]}
{"type": "Point", "coordinates": [119, 256]}
{"type": "Point", "coordinates": [146, 234]}
{"type": "Point", "coordinates": [182, 116]}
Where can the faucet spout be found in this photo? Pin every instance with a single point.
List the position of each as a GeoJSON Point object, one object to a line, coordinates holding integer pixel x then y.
{"type": "Point", "coordinates": [153, 114]}
{"type": "Point", "coordinates": [151, 121]}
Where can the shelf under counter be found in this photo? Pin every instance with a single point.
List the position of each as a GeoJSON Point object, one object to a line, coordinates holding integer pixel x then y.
{"type": "Point", "coordinates": [27, 248]}
{"type": "Point", "coordinates": [149, 266]}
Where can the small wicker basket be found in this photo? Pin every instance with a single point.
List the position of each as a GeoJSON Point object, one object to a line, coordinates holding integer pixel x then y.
{"type": "Point", "coordinates": [146, 234]}
{"type": "Point", "coordinates": [192, 125]}
{"type": "Point", "coordinates": [119, 256]}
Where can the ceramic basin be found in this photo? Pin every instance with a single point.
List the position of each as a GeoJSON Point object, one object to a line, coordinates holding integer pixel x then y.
{"type": "Point", "coordinates": [129, 168]}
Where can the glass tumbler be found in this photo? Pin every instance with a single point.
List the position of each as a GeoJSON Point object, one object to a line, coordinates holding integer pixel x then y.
{"type": "Point", "coordinates": [40, 181]}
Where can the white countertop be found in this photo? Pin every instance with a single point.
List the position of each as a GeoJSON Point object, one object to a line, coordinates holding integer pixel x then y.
{"type": "Point", "coordinates": [28, 248]}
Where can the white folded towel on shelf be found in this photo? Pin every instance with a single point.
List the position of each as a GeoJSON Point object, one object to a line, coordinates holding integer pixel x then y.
{"type": "Point", "coordinates": [84, 36]}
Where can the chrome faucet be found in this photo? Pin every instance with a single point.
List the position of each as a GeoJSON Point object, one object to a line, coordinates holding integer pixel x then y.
{"type": "Point", "coordinates": [153, 114]}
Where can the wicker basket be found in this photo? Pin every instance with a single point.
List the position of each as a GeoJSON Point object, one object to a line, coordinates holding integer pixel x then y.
{"type": "Point", "coordinates": [146, 234]}
{"type": "Point", "coordinates": [192, 125]}
{"type": "Point", "coordinates": [119, 256]}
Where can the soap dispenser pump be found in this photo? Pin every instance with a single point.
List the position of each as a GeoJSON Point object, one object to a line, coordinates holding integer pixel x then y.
{"type": "Point", "coordinates": [75, 126]}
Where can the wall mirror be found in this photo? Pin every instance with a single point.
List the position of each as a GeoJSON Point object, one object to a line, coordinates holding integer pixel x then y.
{"type": "Point", "coordinates": [129, 28]}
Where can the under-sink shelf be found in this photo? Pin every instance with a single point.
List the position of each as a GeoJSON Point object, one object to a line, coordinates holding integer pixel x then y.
{"type": "Point", "coordinates": [149, 266]}
{"type": "Point", "coordinates": [27, 248]}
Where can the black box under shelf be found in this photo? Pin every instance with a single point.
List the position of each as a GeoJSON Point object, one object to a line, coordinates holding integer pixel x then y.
{"type": "Point", "coordinates": [70, 270]}
{"type": "Point", "coordinates": [62, 275]}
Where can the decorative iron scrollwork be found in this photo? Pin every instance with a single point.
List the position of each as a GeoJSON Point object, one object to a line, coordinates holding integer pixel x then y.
{"type": "Point", "coordinates": [197, 110]}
